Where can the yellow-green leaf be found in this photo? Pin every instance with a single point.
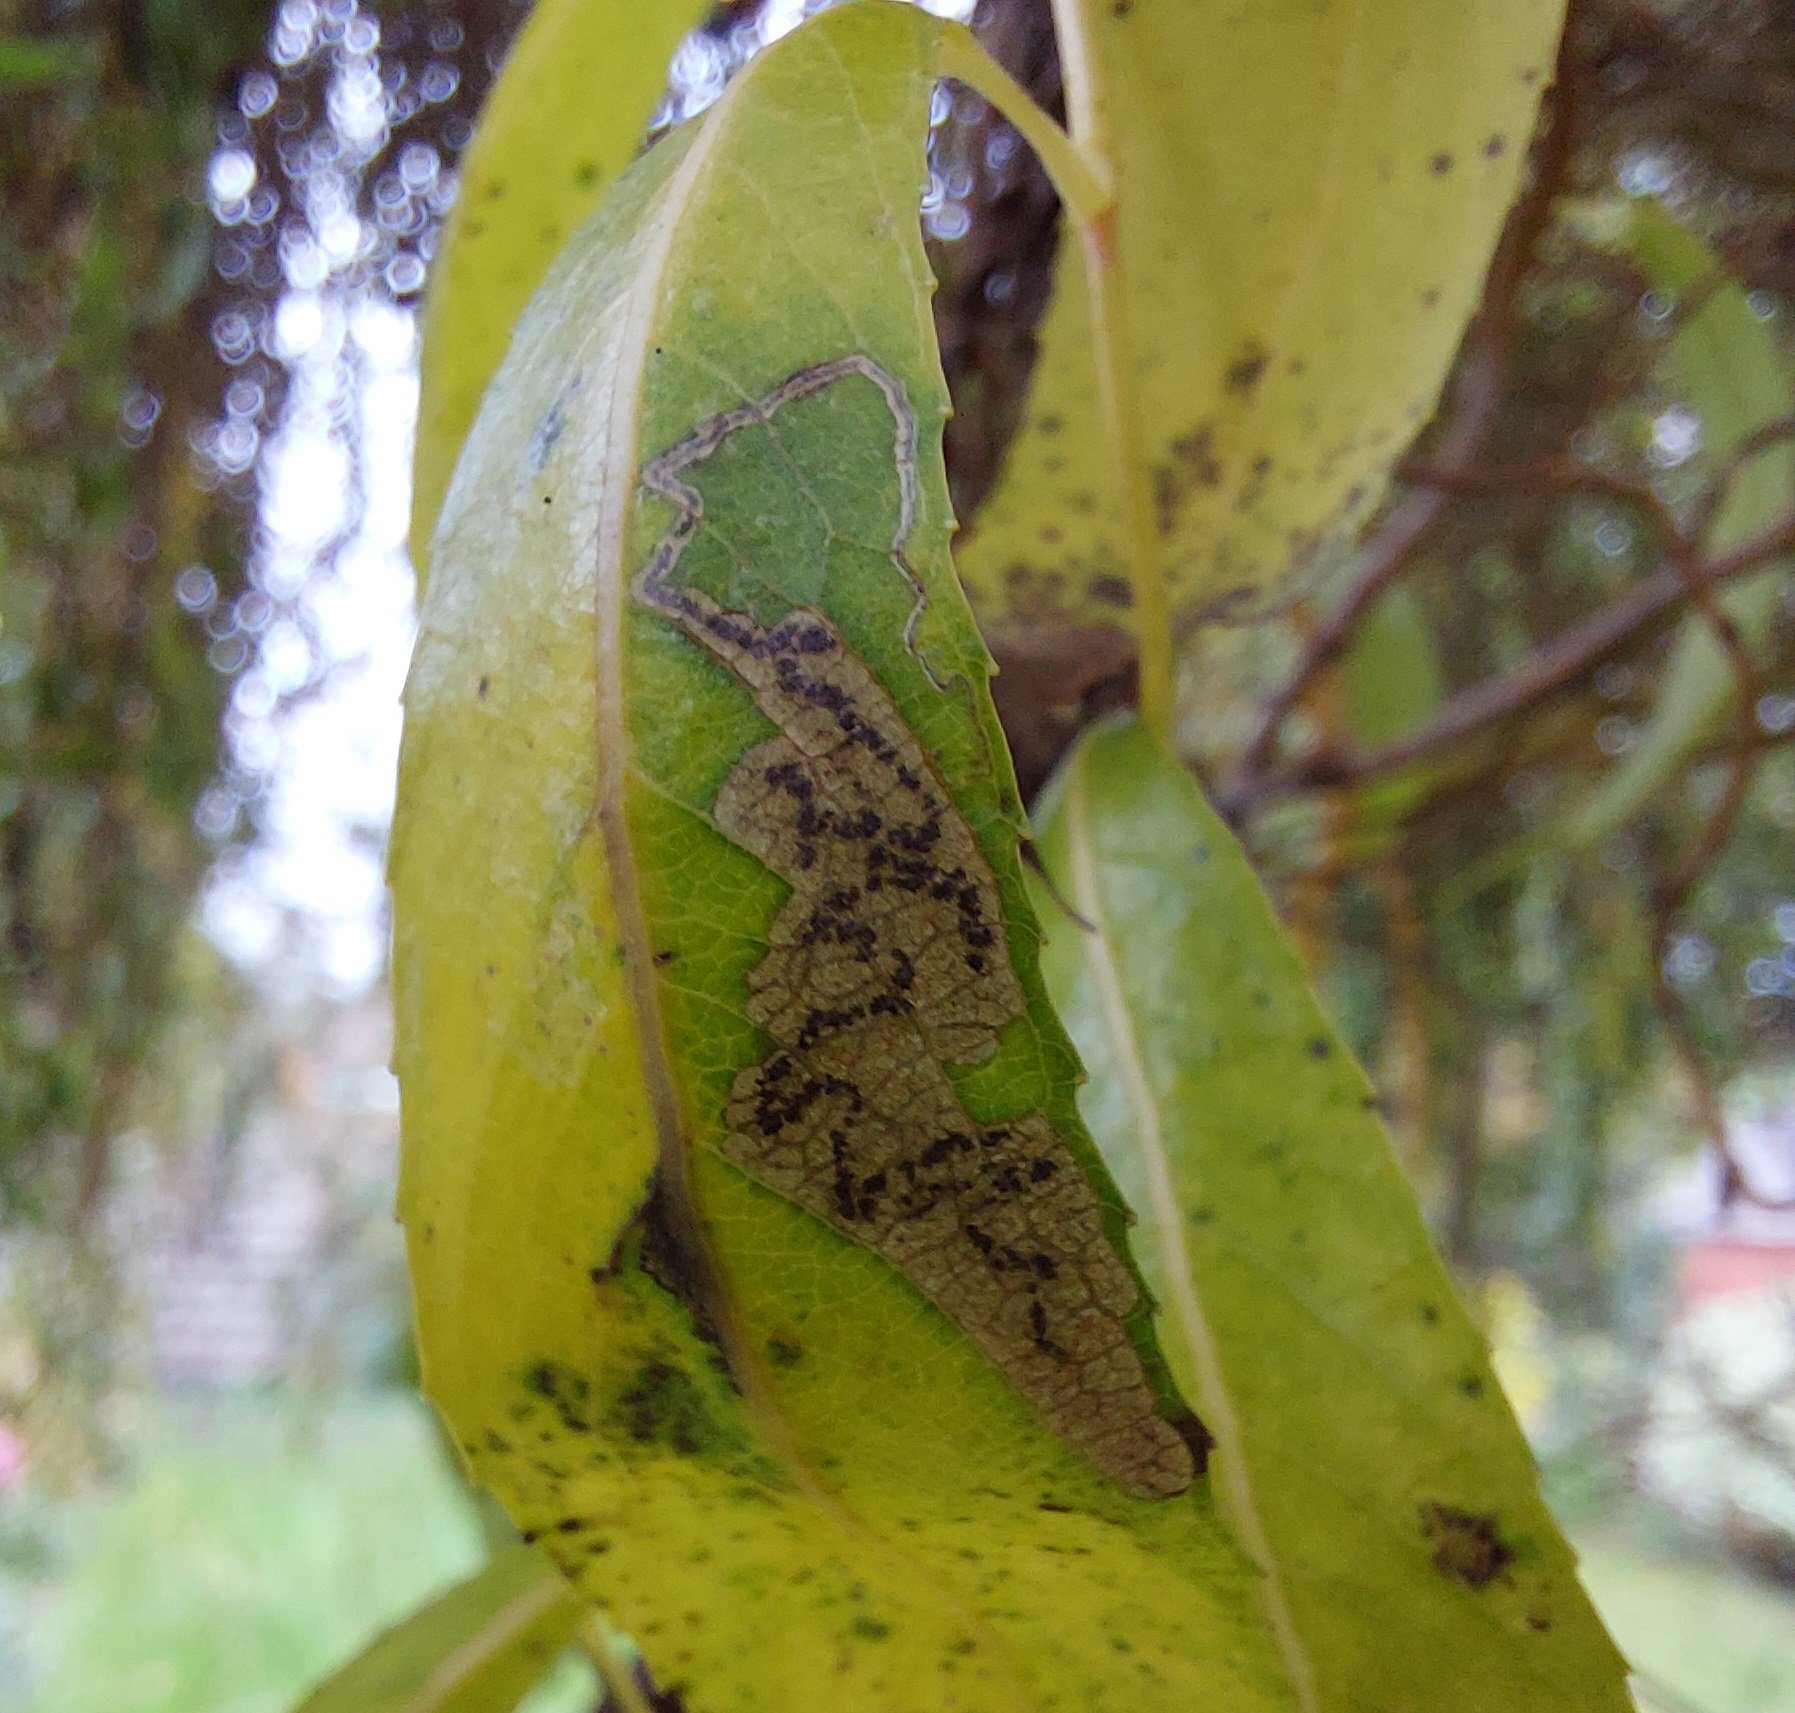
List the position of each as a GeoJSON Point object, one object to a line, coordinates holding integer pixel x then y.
{"type": "Point", "coordinates": [1737, 381]}
{"type": "Point", "coordinates": [479, 1648]}
{"type": "Point", "coordinates": [801, 1470]}
{"type": "Point", "coordinates": [1308, 197]}
{"type": "Point", "coordinates": [1366, 1454]}
{"type": "Point", "coordinates": [562, 120]}
{"type": "Point", "coordinates": [1393, 685]}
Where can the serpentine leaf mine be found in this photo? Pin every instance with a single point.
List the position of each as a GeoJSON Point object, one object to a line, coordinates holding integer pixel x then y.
{"type": "Point", "coordinates": [888, 961]}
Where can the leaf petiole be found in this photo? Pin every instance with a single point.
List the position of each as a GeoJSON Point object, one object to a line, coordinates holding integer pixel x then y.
{"type": "Point", "coordinates": [1082, 177]}
{"type": "Point", "coordinates": [1079, 164]}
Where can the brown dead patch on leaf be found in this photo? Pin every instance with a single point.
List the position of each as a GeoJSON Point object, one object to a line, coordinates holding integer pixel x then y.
{"type": "Point", "coordinates": [1466, 1545]}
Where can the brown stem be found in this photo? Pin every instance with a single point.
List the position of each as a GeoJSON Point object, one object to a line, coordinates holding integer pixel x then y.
{"type": "Point", "coordinates": [1761, 440]}
{"type": "Point", "coordinates": [1674, 891]}
{"type": "Point", "coordinates": [1554, 667]}
{"type": "Point", "coordinates": [1695, 581]}
{"type": "Point", "coordinates": [1565, 476]}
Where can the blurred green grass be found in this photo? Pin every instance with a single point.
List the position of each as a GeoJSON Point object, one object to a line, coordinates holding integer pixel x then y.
{"type": "Point", "coordinates": [255, 1549]}
{"type": "Point", "coordinates": [1718, 1640]}
{"type": "Point", "coordinates": [260, 1544]}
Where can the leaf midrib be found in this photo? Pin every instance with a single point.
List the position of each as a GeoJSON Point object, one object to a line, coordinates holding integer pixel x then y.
{"type": "Point", "coordinates": [614, 765]}
{"type": "Point", "coordinates": [486, 1645]}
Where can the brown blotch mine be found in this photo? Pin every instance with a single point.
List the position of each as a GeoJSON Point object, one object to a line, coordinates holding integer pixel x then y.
{"type": "Point", "coordinates": [1466, 1546]}
{"type": "Point", "coordinates": [888, 961]}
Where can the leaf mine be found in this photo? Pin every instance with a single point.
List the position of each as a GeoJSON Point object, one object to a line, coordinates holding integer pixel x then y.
{"type": "Point", "coordinates": [889, 961]}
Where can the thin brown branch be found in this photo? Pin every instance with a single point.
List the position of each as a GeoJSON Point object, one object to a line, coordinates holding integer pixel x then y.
{"type": "Point", "coordinates": [1566, 476]}
{"type": "Point", "coordinates": [1674, 891]}
{"type": "Point", "coordinates": [1553, 668]}
{"type": "Point", "coordinates": [1763, 439]}
{"type": "Point", "coordinates": [1695, 581]}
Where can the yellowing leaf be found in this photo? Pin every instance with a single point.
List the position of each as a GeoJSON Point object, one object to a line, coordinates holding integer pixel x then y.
{"type": "Point", "coordinates": [479, 1648]}
{"type": "Point", "coordinates": [562, 120]}
{"type": "Point", "coordinates": [1308, 197]}
{"type": "Point", "coordinates": [1365, 1455]}
{"type": "Point", "coordinates": [701, 516]}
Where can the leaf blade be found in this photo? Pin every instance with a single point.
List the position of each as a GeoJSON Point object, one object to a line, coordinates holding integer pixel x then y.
{"type": "Point", "coordinates": [1352, 167]}
{"type": "Point", "coordinates": [540, 161]}
{"type": "Point", "coordinates": [918, 1544]}
{"type": "Point", "coordinates": [1377, 1465]}
{"type": "Point", "coordinates": [480, 1647]}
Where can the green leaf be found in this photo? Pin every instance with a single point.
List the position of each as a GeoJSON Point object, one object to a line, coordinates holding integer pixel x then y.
{"type": "Point", "coordinates": [1392, 671]}
{"type": "Point", "coordinates": [30, 62]}
{"type": "Point", "coordinates": [479, 1648]}
{"type": "Point", "coordinates": [1737, 380]}
{"type": "Point", "coordinates": [799, 1468]}
{"type": "Point", "coordinates": [1366, 1455]}
{"type": "Point", "coordinates": [1308, 200]}
{"type": "Point", "coordinates": [1394, 685]}
{"type": "Point", "coordinates": [563, 119]}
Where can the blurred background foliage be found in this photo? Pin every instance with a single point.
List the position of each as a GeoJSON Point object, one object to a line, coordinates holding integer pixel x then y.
{"type": "Point", "coordinates": [1519, 772]}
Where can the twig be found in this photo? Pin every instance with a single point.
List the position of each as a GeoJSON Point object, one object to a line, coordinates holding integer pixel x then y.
{"type": "Point", "coordinates": [1566, 476]}
{"type": "Point", "coordinates": [1695, 580]}
{"type": "Point", "coordinates": [1763, 439]}
{"type": "Point", "coordinates": [1673, 892]}
{"type": "Point", "coordinates": [1554, 667]}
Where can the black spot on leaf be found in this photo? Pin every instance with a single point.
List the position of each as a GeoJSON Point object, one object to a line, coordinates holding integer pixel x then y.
{"type": "Point", "coordinates": [662, 1406]}
{"type": "Point", "coordinates": [1466, 1545]}
{"type": "Point", "coordinates": [1246, 371]}
{"type": "Point", "coordinates": [784, 1352]}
